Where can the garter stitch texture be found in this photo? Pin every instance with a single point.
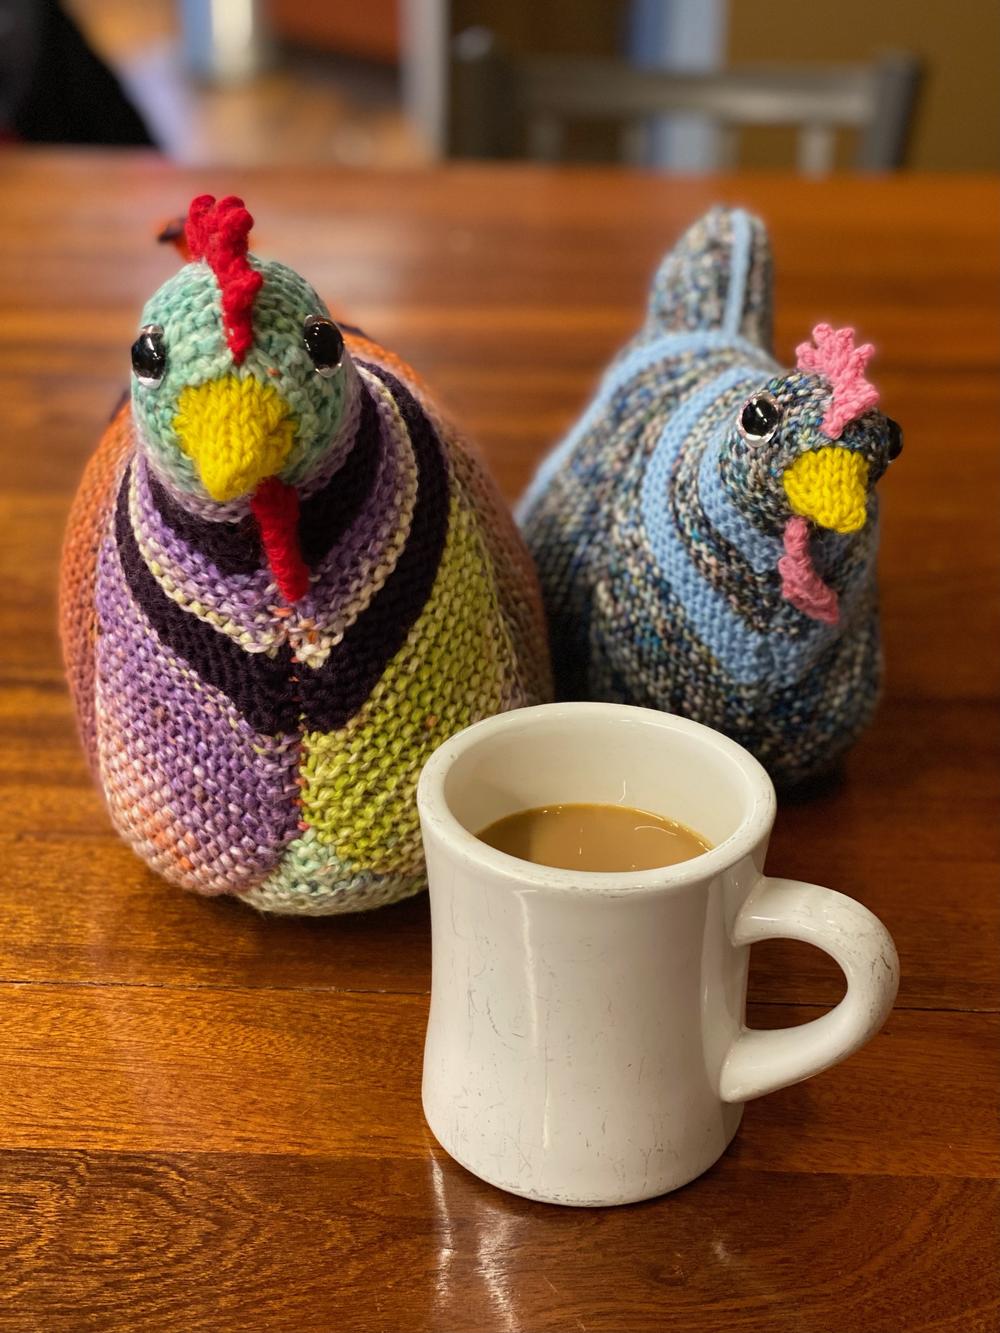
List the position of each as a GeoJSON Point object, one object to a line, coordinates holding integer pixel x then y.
{"type": "Point", "coordinates": [254, 732]}
{"type": "Point", "coordinates": [706, 534]}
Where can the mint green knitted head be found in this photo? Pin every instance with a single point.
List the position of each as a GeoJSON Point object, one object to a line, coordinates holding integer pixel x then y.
{"type": "Point", "coordinates": [286, 384]}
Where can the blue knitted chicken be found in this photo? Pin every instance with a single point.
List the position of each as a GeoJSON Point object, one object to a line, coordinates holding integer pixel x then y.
{"type": "Point", "coordinates": [706, 534]}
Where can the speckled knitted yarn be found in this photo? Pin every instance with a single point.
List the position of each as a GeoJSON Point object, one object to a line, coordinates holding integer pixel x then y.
{"type": "Point", "coordinates": [706, 535]}
{"type": "Point", "coordinates": [247, 741]}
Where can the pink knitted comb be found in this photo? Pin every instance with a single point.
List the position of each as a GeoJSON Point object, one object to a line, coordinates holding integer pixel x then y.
{"type": "Point", "coordinates": [843, 364]}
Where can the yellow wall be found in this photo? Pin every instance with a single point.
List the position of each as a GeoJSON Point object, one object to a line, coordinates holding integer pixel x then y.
{"type": "Point", "coordinates": [957, 125]}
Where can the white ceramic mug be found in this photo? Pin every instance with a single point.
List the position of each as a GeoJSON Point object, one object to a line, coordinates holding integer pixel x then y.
{"type": "Point", "coordinates": [586, 1041]}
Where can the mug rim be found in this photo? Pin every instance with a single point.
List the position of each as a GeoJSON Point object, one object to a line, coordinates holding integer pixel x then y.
{"type": "Point", "coordinates": [756, 823]}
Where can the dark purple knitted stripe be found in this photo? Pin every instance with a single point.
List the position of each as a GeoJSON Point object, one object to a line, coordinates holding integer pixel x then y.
{"type": "Point", "coordinates": [327, 515]}
{"type": "Point", "coordinates": [234, 548]}
{"type": "Point", "coordinates": [261, 687]}
{"type": "Point", "coordinates": [334, 693]}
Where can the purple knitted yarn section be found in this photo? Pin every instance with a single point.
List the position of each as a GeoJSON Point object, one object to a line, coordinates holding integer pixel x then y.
{"type": "Point", "coordinates": [367, 541]}
{"type": "Point", "coordinates": [196, 792]}
{"type": "Point", "coordinates": [236, 603]}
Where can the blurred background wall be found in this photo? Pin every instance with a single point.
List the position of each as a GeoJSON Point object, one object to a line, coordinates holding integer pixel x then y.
{"type": "Point", "coordinates": [371, 82]}
{"type": "Point", "coordinates": [957, 119]}
{"type": "Point", "coordinates": [956, 123]}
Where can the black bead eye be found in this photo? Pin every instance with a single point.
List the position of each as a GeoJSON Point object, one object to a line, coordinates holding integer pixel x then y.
{"type": "Point", "coordinates": [149, 356]}
{"type": "Point", "coordinates": [895, 438]}
{"type": "Point", "coordinates": [759, 418]}
{"type": "Point", "coordinates": [324, 343]}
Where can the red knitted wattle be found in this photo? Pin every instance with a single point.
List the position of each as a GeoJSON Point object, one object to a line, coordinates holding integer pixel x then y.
{"type": "Point", "coordinates": [217, 233]}
{"type": "Point", "coordinates": [275, 506]}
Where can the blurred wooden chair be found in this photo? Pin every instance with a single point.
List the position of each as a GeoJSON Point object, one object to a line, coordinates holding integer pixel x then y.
{"type": "Point", "coordinates": [505, 106]}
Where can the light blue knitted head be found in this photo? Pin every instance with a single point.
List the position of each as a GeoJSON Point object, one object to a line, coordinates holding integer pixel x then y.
{"type": "Point", "coordinates": [188, 309]}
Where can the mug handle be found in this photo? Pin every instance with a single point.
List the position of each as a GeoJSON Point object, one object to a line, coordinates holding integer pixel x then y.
{"type": "Point", "coordinates": [760, 1061]}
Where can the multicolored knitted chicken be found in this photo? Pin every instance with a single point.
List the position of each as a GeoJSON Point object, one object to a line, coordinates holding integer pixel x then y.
{"type": "Point", "coordinates": [706, 535]}
{"type": "Point", "coordinates": [285, 582]}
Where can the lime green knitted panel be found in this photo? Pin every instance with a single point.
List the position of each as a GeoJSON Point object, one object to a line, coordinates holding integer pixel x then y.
{"type": "Point", "coordinates": [455, 668]}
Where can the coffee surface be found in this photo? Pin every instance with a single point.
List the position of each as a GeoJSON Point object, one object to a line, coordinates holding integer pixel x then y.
{"type": "Point", "coordinates": [594, 837]}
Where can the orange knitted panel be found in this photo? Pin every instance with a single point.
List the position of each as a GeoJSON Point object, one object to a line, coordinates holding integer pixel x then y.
{"type": "Point", "coordinates": [86, 528]}
{"type": "Point", "coordinates": [363, 348]}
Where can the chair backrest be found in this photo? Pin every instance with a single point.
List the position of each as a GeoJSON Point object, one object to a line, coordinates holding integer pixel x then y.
{"type": "Point", "coordinates": [501, 102]}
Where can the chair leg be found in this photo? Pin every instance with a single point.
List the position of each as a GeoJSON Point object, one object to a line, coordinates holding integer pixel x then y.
{"type": "Point", "coordinates": [814, 150]}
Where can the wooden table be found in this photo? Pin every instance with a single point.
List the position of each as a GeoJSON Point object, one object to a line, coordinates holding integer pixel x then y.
{"type": "Point", "coordinates": [211, 1121]}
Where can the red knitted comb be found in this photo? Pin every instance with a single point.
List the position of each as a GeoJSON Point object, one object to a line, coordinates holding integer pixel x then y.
{"type": "Point", "coordinates": [843, 364]}
{"type": "Point", "coordinates": [217, 233]}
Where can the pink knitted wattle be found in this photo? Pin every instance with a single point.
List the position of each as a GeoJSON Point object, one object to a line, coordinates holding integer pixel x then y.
{"type": "Point", "coordinates": [800, 584]}
{"type": "Point", "coordinates": [843, 364]}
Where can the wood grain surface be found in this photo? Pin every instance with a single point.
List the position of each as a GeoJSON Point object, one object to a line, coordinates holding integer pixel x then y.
{"type": "Point", "coordinates": [210, 1122]}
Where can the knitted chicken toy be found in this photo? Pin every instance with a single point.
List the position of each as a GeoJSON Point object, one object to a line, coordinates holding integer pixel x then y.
{"type": "Point", "coordinates": [285, 582]}
{"type": "Point", "coordinates": [706, 535]}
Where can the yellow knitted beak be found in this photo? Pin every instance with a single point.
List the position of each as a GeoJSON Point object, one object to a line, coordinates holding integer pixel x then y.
{"type": "Point", "coordinates": [830, 486]}
{"type": "Point", "coordinates": [237, 431]}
